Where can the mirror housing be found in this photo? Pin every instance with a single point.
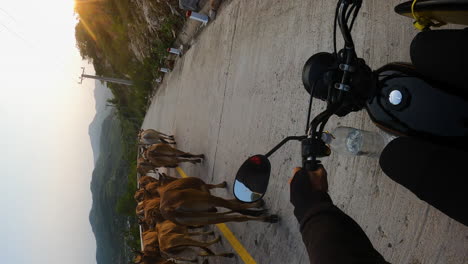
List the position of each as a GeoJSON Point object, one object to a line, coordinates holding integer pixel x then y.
{"type": "Point", "coordinates": [252, 179]}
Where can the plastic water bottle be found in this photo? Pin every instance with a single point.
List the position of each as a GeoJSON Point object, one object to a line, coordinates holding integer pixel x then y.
{"type": "Point", "coordinates": [355, 142]}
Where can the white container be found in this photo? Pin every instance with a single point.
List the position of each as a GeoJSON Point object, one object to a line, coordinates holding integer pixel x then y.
{"type": "Point", "coordinates": [174, 51]}
{"type": "Point", "coordinates": [198, 17]}
{"type": "Point", "coordinates": [165, 70]}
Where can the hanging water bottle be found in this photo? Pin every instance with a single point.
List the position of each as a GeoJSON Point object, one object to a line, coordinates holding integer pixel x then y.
{"type": "Point", "coordinates": [356, 142]}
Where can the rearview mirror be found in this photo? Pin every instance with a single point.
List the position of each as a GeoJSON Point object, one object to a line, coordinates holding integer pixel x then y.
{"type": "Point", "coordinates": [252, 179]}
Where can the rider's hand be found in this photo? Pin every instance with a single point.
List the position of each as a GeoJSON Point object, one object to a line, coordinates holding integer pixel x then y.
{"type": "Point", "coordinates": [317, 179]}
{"type": "Point", "coordinates": [308, 189]}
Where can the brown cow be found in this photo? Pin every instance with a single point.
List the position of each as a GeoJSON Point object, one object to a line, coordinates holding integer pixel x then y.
{"type": "Point", "coordinates": [144, 180]}
{"type": "Point", "coordinates": [192, 207]}
{"type": "Point", "coordinates": [151, 136]}
{"type": "Point", "coordinates": [143, 258]}
{"type": "Point", "coordinates": [144, 166]}
{"type": "Point", "coordinates": [152, 189]}
{"type": "Point", "coordinates": [188, 202]}
{"type": "Point", "coordinates": [143, 194]}
{"type": "Point", "coordinates": [150, 242]}
{"type": "Point", "coordinates": [149, 186]}
{"type": "Point", "coordinates": [143, 224]}
{"type": "Point", "coordinates": [139, 209]}
{"type": "Point", "coordinates": [151, 246]}
{"type": "Point", "coordinates": [186, 183]}
{"type": "Point", "coordinates": [140, 195]}
{"type": "Point", "coordinates": [149, 209]}
{"type": "Point", "coordinates": [164, 179]}
{"type": "Point", "coordinates": [163, 155]}
{"type": "Point", "coordinates": [152, 212]}
{"type": "Point", "coordinates": [174, 239]}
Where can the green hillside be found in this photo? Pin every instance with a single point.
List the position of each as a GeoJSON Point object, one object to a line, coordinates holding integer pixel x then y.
{"type": "Point", "coordinates": [109, 183]}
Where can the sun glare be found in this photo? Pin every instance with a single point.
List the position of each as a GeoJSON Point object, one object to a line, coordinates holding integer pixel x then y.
{"type": "Point", "coordinates": [88, 29]}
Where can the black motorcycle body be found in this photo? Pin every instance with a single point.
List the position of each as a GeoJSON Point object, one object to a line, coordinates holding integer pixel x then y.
{"type": "Point", "coordinates": [426, 99]}
{"type": "Point", "coordinates": [405, 103]}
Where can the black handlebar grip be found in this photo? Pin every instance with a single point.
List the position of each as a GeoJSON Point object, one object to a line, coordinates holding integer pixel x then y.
{"type": "Point", "coordinates": [310, 165]}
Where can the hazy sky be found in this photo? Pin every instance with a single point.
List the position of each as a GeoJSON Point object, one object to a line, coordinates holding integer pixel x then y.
{"type": "Point", "coordinates": [45, 151]}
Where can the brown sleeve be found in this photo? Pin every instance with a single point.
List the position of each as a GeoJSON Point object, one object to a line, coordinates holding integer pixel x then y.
{"type": "Point", "coordinates": [329, 235]}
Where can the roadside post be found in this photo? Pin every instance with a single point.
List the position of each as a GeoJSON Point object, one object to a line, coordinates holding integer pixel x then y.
{"type": "Point", "coordinates": [198, 17]}
{"type": "Point", "coordinates": [175, 51]}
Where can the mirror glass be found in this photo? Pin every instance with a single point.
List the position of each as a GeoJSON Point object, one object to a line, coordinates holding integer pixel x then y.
{"type": "Point", "coordinates": [252, 179]}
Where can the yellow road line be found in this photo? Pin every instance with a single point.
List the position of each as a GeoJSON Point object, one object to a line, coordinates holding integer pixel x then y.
{"type": "Point", "coordinates": [235, 243]}
{"type": "Point", "coordinates": [181, 172]}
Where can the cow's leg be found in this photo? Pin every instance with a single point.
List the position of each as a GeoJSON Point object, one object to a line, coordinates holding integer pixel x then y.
{"type": "Point", "coordinates": [174, 259]}
{"type": "Point", "coordinates": [164, 150]}
{"type": "Point", "coordinates": [166, 161]}
{"type": "Point", "coordinates": [165, 179]}
{"type": "Point", "coordinates": [166, 136]}
{"type": "Point", "coordinates": [200, 218]}
{"type": "Point", "coordinates": [209, 253]}
{"type": "Point", "coordinates": [195, 227]}
{"type": "Point", "coordinates": [200, 233]}
{"type": "Point", "coordinates": [233, 204]}
{"type": "Point", "coordinates": [182, 244]}
{"type": "Point", "coordinates": [179, 160]}
{"type": "Point", "coordinates": [192, 156]}
{"type": "Point", "coordinates": [169, 141]}
{"type": "Point", "coordinates": [207, 187]}
{"type": "Point", "coordinates": [174, 152]}
{"type": "Point", "coordinates": [221, 185]}
{"type": "Point", "coordinates": [253, 212]}
{"type": "Point", "coordinates": [181, 260]}
{"type": "Point", "coordinates": [197, 243]}
{"type": "Point", "coordinates": [244, 212]}
{"type": "Point", "coordinates": [202, 201]}
{"type": "Point", "coordinates": [171, 253]}
{"type": "Point", "coordinates": [193, 243]}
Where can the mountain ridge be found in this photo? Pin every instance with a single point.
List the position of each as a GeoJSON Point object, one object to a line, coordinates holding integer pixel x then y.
{"type": "Point", "coordinates": [108, 181]}
{"type": "Point", "coordinates": [101, 94]}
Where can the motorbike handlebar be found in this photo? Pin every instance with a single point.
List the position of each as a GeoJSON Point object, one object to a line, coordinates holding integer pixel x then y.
{"type": "Point", "coordinates": [345, 9]}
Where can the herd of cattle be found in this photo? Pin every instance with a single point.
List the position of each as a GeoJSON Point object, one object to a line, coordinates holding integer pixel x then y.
{"type": "Point", "coordinates": [170, 208]}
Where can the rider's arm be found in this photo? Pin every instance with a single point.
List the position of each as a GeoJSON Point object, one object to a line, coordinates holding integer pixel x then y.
{"type": "Point", "coordinates": [329, 235]}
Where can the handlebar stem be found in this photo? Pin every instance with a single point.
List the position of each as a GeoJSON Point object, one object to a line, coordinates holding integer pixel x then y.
{"type": "Point", "coordinates": [273, 150]}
